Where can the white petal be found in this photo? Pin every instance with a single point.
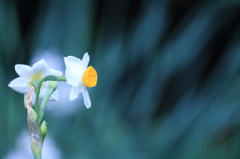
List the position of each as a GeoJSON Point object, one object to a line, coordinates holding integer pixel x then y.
{"type": "Point", "coordinates": [20, 85]}
{"type": "Point", "coordinates": [43, 91]}
{"type": "Point", "coordinates": [54, 72]}
{"type": "Point", "coordinates": [40, 67]}
{"type": "Point", "coordinates": [85, 60]}
{"type": "Point", "coordinates": [75, 91]}
{"type": "Point", "coordinates": [73, 62]}
{"type": "Point", "coordinates": [74, 70]}
{"type": "Point", "coordinates": [54, 96]}
{"type": "Point", "coordinates": [23, 70]}
{"type": "Point", "coordinates": [73, 79]}
{"type": "Point", "coordinates": [86, 98]}
{"type": "Point", "coordinates": [33, 98]}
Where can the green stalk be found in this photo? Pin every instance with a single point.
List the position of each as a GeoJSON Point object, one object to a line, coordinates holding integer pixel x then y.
{"type": "Point", "coordinates": [37, 89]}
{"type": "Point", "coordinates": [37, 156]}
{"type": "Point", "coordinates": [52, 86]}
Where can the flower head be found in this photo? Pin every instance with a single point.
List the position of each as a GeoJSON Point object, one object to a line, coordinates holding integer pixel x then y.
{"type": "Point", "coordinates": [80, 76]}
{"type": "Point", "coordinates": [31, 76]}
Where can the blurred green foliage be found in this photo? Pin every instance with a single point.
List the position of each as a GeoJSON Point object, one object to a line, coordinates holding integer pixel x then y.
{"type": "Point", "coordinates": [169, 83]}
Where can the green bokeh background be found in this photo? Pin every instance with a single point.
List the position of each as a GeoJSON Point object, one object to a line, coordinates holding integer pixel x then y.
{"type": "Point", "coordinates": [169, 76]}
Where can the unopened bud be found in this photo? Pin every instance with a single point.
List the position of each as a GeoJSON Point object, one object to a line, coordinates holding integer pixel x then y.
{"type": "Point", "coordinates": [43, 129]}
{"type": "Point", "coordinates": [53, 84]}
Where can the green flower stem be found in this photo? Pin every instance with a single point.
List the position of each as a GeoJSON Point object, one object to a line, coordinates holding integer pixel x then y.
{"type": "Point", "coordinates": [36, 140]}
{"type": "Point", "coordinates": [37, 89]}
{"type": "Point", "coordinates": [33, 128]}
{"type": "Point", "coordinates": [37, 156]}
{"type": "Point", "coordinates": [52, 86]}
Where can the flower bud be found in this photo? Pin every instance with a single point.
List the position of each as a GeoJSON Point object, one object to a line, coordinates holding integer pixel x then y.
{"type": "Point", "coordinates": [43, 129]}
{"type": "Point", "coordinates": [53, 84]}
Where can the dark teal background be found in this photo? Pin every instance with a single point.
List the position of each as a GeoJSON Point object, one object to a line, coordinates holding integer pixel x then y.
{"type": "Point", "coordinates": [169, 76]}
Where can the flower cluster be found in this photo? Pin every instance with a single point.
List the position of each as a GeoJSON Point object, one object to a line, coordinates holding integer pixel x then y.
{"type": "Point", "coordinates": [77, 74]}
{"type": "Point", "coordinates": [41, 82]}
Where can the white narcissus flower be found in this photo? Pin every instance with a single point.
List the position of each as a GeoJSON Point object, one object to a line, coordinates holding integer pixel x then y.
{"type": "Point", "coordinates": [31, 76]}
{"type": "Point", "coordinates": [80, 76]}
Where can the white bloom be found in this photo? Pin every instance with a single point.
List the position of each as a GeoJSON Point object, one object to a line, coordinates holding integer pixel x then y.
{"type": "Point", "coordinates": [80, 76]}
{"type": "Point", "coordinates": [31, 76]}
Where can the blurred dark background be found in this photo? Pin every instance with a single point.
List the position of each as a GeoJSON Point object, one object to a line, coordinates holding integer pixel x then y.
{"type": "Point", "coordinates": [169, 77]}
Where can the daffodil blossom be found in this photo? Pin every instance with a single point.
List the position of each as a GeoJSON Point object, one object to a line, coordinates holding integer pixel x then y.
{"type": "Point", "coordinates": [31, 76]}
{"type": "Point", "coordinates": [80, 76]}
